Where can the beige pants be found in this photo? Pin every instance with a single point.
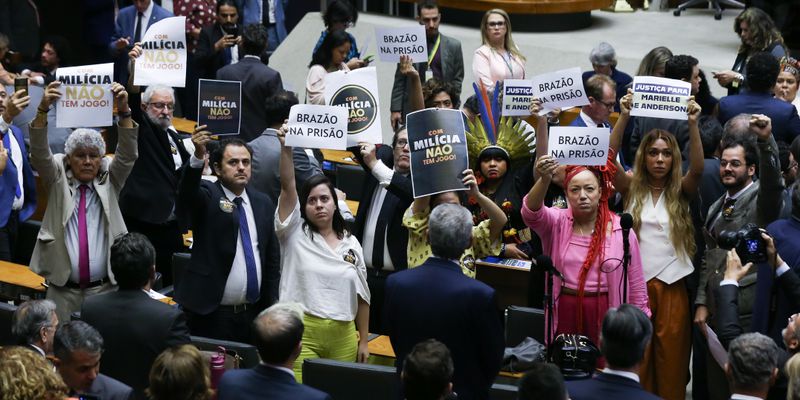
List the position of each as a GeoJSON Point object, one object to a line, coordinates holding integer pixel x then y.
{"type": "Point", "coordinates": [69, 300]}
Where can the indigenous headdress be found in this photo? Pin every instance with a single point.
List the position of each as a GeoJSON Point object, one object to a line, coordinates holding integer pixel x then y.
{"type": "Point", "coordinates": [508, 136]}
{"type": "Point", "coordinates": [791, 66]}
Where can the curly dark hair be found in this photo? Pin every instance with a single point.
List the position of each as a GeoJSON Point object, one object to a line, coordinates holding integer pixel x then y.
{"type": "Point", "coordinates": [762, 72]}
{"type": "Point", "coordinates": [433, 87]}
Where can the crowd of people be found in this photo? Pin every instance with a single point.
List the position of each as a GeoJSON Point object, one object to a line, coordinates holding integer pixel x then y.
{"type": "Point", "coordinates": [687, 237]}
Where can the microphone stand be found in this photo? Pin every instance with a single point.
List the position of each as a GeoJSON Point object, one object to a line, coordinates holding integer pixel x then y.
{"type": "Point", "coordinates": [548, 304]}
{"type": "Point", "coordinates": [626, 259]}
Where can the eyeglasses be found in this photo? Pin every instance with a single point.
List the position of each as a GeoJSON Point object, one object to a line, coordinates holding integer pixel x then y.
{"type": "Point", "coordinates": [401, 143]}
{"type": "Point", "coordinates": [161, 106]}
{"type": "Point", "coordinates": [733, 164]}
{"type": "Point", "coordinates": [610, 105]}
{"type": "Point", "coordinates": [347, 24]}
{"type": "Point", "coordinates": [496, 24]}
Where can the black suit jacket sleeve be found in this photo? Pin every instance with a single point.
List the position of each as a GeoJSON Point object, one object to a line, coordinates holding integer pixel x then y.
{"type": "Point", "coordinates": [272, 271]}
{"type": "Point", "coordinates": [727, 315]}
{"type": "Point", "coordinates": [789, 283]}
{"type": "Point", "coordinates": [205, 55]}
{"type": "Point", "coordinates": [179, 332]}
{"type": "Point", "coordinates": [489, 336]}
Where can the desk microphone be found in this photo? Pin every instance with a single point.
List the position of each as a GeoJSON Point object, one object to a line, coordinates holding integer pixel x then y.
{"type": "Point", "coordinates": [546, 264]}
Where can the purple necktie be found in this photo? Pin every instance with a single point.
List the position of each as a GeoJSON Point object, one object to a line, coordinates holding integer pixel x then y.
{"type": "Point", "coordinates": [83, 241]}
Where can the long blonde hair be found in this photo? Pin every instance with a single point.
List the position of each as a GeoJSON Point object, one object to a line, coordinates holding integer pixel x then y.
{"type": "Point", "coordinates": [681, 228]}
{"type": "Point", "coordinates": [793, 372]}
{"type": "Point", "coordinates": [509, 41]}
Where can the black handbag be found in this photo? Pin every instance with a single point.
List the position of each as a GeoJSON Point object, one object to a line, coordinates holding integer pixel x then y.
{"type": "Point", "coordinates": [576, 355]}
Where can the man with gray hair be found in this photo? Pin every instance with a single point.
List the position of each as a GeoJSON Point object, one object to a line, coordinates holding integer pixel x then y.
{"type": "Point", "coordinates": [604, 62]}
{"type": "Point", "coordinates": [278, 337]}
{"type": "Point", "coordinates": [83, 216]}
{"type": "Point", "coordinates": [148, 200]}
{"type": "Point", "coordinates": [77, 349]}
{"type": "Point", "coordinates": [436, 300]}
{"type": "Point", "coordinates": [752, 366]}
{"type": "Point", "coordinates": [34, 324]}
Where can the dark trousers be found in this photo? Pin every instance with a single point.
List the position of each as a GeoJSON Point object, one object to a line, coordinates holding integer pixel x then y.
{"type": "Point", "coordinates": [8, 237]}
{"type": "Point", "coordinates": [377, 289]}
{"type": "Point", "coordinates": [224, 324]}
{"type": "Point", "coordinates": [166, 238]}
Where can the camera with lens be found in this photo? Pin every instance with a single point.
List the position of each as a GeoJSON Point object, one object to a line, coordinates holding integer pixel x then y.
{"type": "Point", "coordinates": [747, 241]}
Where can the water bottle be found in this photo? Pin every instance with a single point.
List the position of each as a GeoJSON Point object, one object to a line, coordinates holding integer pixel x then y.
{"type": "Point", "coordinates": [217, 366]}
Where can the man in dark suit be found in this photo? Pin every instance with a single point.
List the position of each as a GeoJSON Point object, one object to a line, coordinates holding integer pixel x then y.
{"type": "Point", "coordinates": [34, 324]}
{"type": "Point", "coordinates": [235, 267]}
{"type": "Point", "coordinates": [787, 232]}
{"type": "Point", "coordinates": [136, 327]}
{"type": "Point", "coordinates": [751, 366]}
{"type": "Point", "coordinates": [17, 184]}
{"type": "Point", "coordinates": [428, 371]}
{"type": "Point", "coordinates": [604, 62]}
{"type": "Point", "coordinates": [148, 199]}
{"type": "Point", "coordinates": [132, 23]}
{"type": "Point", "coordinates": [445, 62]}
{"type": "Point", "coordinates": [420, 304]}
{"type": "Point", "coordinates": [217, 46]}
{"type": "Point", "coordinates": [259, 82]}
{"type": "Point", "coordinates": [600, 91]}
{"type": "Point", "coordinates": [278, 334]}
{"type": "Point", "coordinates": [762, 73]}
{"type": "Point", "coordinates": [77, 348]}
{"type": "Point", "coordinates": [379, 220]}
{"type": "Point", "coordinates": [624, 337]}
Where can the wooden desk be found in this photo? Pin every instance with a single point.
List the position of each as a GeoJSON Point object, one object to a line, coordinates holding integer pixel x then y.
{"type": "Point", "coordinates": [19, 283]}
{"type": "Point", "coordinates": [353, 205]}
{"type": "Point", "coordinates": [183, 125]}
{"type": "Point", "coordinates": [339, 156]}
{"type": "Point", "coordinates": [510, 283]}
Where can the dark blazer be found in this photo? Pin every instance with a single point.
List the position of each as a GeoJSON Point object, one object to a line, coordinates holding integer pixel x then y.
{"type": "Point", "coordinates": [135, 329]}
{"type": "Point", "coordinates": [607, 386]}
{"type": "Point", "coordinates": [151, 190]}
{"type": "Point", "coordinates": [263, 382]}
{"type": "Point", "coordinates": [8, 180]}
{"type": "Point", "coordinates": [126, 27]}
{"type": "Point", "coordinates": [452, 72]}
{"type": "Point", "coordinates": [107, 388]}
{"type": "Point", "coordinates": [259, 83]}
{"type": "Point", "coordinates": [215, 233]}
{"type": "Point", "coordinates": [622, 80]}
{"type": "Point", "coordinates": [786, 233]}
{"type": "Point", "coordinates": [785, 121]}
{"type": "Point", "coordinates": [436, 300]}
{"type": "Point", "coordinates": [396, 202]}
{"type": "Point", "coordinates": [207, 60]}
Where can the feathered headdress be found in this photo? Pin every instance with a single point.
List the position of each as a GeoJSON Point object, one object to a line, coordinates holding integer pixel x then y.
{"type": "Point", "coordinates": [513, 137]}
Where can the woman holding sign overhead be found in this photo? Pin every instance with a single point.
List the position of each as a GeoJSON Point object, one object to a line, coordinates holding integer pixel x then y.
{"type": "Point", "coordinates": [322, 268]}
{"type": "Point", "coordinates": [657, 195]}
{"type": "Point", "coordinates": [585, 244]}
{"type": "Point", "coordinates": [498, 58]}
{"type": "Point", "coordinates": [329, 57]}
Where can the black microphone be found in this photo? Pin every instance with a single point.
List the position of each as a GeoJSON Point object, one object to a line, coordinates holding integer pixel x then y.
{"type": "Point", "coordinates": [546, 264]}
{"type": "Point", "coordinates": [626, 222]}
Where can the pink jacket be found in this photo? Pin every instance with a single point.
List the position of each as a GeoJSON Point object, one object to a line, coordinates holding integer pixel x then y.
{"type": "Point", "coordinates": [554, 227]}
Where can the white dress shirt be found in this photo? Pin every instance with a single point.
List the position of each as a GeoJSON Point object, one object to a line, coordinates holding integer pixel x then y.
{"type": "Point", "coordinates": [384, 176]}
{"type": "Point", "coordinates": [589, 121]}
{"type": "Point", "coordinates": [96, 230]}
{"type": "Point", "coordinates": [236, 286]}
{"type": "Point", "coordinates": [16, 158]}
{"type": "Point", "coordinates": [624, 374]}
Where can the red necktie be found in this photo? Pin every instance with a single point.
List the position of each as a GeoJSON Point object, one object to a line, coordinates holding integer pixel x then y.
{"type": "Point", "coordinates": [83, 240]}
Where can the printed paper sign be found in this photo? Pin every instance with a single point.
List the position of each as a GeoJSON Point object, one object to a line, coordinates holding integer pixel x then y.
{"type": "Point", "coordinates": [438, 151]}
{"type": "Point", "coordinates": [86, 98]}
{"type": "Point", "coordinates": [358, 92]}
{"type": "Point", "coordinates": [163, 59]}
{"type": "Point", "coordinates": [517, 96]}
{"type": "Point", "coordinates": [560, 89]}
{"type": "Point", "coordinates": [219, 106]}
{"type": "Point", "coordinates": [317, 127]}
{"type": "Point", "coordinates": [660, 97]}
{"type": "Point", "coordinates": [571, 145]}
{"type": "Point", "coordinates": [395, 42]}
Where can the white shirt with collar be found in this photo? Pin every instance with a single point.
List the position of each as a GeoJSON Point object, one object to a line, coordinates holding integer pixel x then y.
{"type": "Point", "coordinates": [624, 374]}
{"type": "Point", "coordinates": [383, 175]}
{"type": "Point", "coordinates": [16, 158]}
{"type": "Point", "coordinates": [236, 286]}
{"type": "Point", "coordinates": [145, 19]}
{"type": "Point", "coordinates": [782, 269]}
{"type": "Point", "coordinates": [589, 121]}
{"type": "Point", "coordinates": [96, 233]}
{"type": "Point", "coordinates": [737, 396]}
{"type": "Point", "coordinates": [279, 368]}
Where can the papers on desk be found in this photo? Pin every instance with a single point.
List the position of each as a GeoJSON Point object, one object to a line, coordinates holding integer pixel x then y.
{"type": "Point", "coordinates": [155, 295]}
{"type": "Point", "coordinates": [507, 262]}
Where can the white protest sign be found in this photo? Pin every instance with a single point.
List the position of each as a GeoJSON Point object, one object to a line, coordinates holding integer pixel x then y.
{"type": "Point", "coordinates": [660, 97]}
{"type": "Point", "coordinates": [394, 42]}
{"type": "Point", "coordinates": [560, 89]}
{"type": "Point", "coordinates": [86, 98]}
{"type": "Point", "coordinates": [163, 59]}
{"type": "Point", "coordinates": [572, 145]}
{"type": "Point", "coordinates": [358, 92]}
{"type": "Point", "coordinates": [517, 96]}
{"type": "Point", "coordinates": [317, 127]}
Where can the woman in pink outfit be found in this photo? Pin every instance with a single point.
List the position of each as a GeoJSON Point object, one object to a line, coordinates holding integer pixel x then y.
{"type": "Point", "coordinates": [498, 58]}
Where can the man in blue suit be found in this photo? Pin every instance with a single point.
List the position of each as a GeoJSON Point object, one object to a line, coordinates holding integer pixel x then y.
{"type": "Point", "coordinates": [270, 14]}
{"type": "Point", "coordinates": [278, 334]}
{"type": "Point", "coordinates": [601, 92]}
{"type": "Point", "coordinates": [762, 73]}
{"type": "Point", "coordinates": [132, 23]}
{"type": "Point", "coordinates": [624, 337]}
{"type": "Point", "coordinates": [436, 300]}
{"type": "Point", "coordinates": [17, 185]}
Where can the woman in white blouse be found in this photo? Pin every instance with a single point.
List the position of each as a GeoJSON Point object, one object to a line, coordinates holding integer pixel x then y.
{"type": "Point", "coordinates": [499, 58]}
{"type": "Point", "coordinates": [322, 268]}
{"type": "Point", "coordinates": [328, 58]}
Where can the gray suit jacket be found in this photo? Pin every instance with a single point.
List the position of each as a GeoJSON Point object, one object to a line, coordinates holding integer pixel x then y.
{"type": "Point", "coordinates": [452, 71]}
{"type": "Point", "coordinates": [266, 162]}
{"type": "Point", "coordinates": [50, 258]}
{"type": "Point", "coordinates": [760, 204]}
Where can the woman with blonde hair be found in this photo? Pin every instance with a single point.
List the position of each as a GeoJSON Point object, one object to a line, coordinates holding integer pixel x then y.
{"type": "Point", "coordinates": [657, 195]}
{"type": "Point", "coordinates": [498, 58]}
{"type": "Point", "coordinates": [26, 375]}
{"type": "Point", "coordinates": [180, 373]}
{"type": "Point", "coordinates": [654, 61]}
{"type": "Point", "coordinates": [792, 370]}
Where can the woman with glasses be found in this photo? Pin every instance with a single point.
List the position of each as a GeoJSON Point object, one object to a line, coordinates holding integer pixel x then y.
{"type": "Point", "coordinates": [329, 57]}
{"type": "Point", "coordinates": [340, 15]}
{"type": "Point", "coordinates": [498, 58]}
{"type": "Point", "coordinates": [657, 195]}
{"type": "Point", "coordinates": [585, 243]}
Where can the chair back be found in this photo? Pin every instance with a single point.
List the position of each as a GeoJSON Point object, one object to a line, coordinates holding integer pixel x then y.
{"type": "Point", "coordinates": [350, 179]}
{"type": "Point", "coordinates": [351, 381]}
{"type": "Point", "coordinates": [501, 391]}
{"type": "Point", "coordinates": [6, 316]}
{"type": "Point", "coordinates": [522, 322]}
{"type": "Point", "coordinates": [180, 261]}
{"type": "Point", "coordinates": [247, 352]}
